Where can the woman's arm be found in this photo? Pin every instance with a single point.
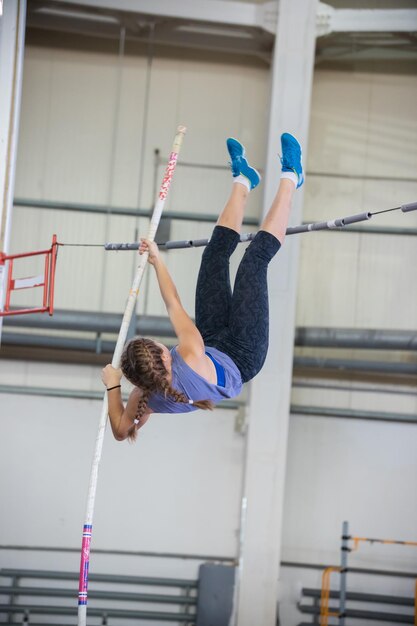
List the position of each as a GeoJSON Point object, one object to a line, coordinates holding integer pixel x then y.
{"type": "Point", "coordinates": [189, 338]}
{"type": "Point", "coordinates": [121, 418]}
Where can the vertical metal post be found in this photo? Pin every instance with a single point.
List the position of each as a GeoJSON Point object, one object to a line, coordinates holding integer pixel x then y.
{"type": "Point", "coordinates": [14, 583]}
{"type": "Point", "coordinates": [316, 617]}
{"type": "Point", "coordinates": [343, 572]}
{"type": "Point", "coordinates": [12, 44]}
{"type": "Point", "coordinates": [186, 591]}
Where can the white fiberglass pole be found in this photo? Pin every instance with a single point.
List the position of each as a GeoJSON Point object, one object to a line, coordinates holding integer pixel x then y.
{"type": "Point", "coordinates": [87, 529]}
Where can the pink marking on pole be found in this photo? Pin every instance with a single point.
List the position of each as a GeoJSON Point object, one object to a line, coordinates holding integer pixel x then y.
{"type": "Point", "coordinates": [85, 562]}
{"type": "Point", "coordinates": [168, 175]}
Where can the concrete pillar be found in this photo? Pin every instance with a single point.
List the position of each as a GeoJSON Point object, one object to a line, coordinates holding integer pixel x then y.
{"type": "Point", "coordinates": [260, 553]}
{"type": "Point", "coordinates": [12, 41]}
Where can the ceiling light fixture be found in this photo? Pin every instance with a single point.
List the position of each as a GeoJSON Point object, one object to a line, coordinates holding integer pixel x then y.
{"type": "Point", "coordinates": [212, 30]}
{"type": "Point", "coordinates": [78, 15]}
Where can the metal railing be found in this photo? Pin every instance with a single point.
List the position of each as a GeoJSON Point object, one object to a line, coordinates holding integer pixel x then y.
{"type": "Point", "coordinates": [342, 595]}
{"type": "Point", "coordinates": [357, 613]}
{"type": "Point", "coordinates": [182, 596]}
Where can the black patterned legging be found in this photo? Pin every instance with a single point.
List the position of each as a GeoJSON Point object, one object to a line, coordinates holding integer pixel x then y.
{"type": "Point", "coordinates": [236, 323]}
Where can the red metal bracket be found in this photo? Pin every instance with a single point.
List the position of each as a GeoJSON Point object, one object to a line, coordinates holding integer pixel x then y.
{"type": "Point", "coordinates": [47, 281]}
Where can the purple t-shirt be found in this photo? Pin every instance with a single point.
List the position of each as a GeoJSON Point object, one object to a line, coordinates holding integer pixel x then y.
{"type": "Point", "coordinates": [194, 386]}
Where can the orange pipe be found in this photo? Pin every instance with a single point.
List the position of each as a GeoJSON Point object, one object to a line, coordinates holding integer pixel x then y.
{"type": "Point", "coordinates": [356, 541]}
{"type": "Point", "coordinates": [325, 613]}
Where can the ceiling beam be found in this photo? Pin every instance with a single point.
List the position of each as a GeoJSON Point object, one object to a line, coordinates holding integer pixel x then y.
{"type": "Point", "coordinates": [262, 15]}
{"type": "Point", "coordinates": [216, 11]}
{"type": "Point", "coordinates": [331, 20]}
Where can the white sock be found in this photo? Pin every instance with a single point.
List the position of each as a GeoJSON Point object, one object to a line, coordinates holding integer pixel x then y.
{"type": "Point", "coordinates": [242, 180]}
{"type": "Point", "coordinates": [291, 176]}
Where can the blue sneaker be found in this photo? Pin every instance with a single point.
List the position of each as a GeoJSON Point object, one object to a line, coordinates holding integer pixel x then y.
{"type": "Point", "coordinates": [291, 159]}
{"type": "Point", "coordinates": [239, 164]}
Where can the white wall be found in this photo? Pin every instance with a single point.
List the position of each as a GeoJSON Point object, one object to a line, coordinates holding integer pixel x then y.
{"type": "Point", "coordinates": [158, 495]}
{"type": "Point", "coordinates": [359, 471]}
{"type": "Point", "coordinates": [362, 157]}
{"type": "Point", "coordinates": [176, 490]}
{"type": "Point", "coordinates": [363, 125]}
{"type": "Point", "coordinates": [363, 154]}
{"type": "Point", "coordinates": [69, 114]}
{"type": "Point", "coordinates": [66, 154]}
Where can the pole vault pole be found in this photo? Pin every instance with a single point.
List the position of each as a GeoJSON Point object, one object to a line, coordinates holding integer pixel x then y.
{"type": "Point", "coordinates": [88, 525]}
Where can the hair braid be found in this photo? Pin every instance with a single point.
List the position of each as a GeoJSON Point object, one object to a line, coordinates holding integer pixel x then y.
{"type": "Point", "coordinates": [143, 366]}
{"type": "Point", "coordinates": [140, 410]}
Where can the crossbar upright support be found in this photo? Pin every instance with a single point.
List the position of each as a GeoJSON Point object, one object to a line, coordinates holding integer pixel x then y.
{"type": "Point", "coordinates": [45, 280]}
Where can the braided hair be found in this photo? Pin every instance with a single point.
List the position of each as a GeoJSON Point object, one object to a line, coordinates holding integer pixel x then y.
{"type": "Point", "coordinates": [143, 366]}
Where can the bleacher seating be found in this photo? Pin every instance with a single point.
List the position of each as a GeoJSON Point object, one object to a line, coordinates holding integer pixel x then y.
{"type": "Point", "coordinates": [42, 597]}
{"type": "Point", "coordinates": [352, 597]}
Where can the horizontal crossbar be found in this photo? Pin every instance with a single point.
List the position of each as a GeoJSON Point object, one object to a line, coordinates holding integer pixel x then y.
{"type": "Point", "coordinates": [335, 224]}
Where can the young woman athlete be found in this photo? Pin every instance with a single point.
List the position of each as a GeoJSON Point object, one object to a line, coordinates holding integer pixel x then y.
{"type": "Point", "coordinates": [228, 343]}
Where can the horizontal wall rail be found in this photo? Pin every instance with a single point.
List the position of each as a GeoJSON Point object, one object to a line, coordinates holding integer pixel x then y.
{"type": "Point", "coordinates": [361, 597]}
{"type": "Point", "coordinates": [353, 570]}
{"type": "Point", "coordinates": [296, 409]}
{"type": "Point", "coordinates": [127, 596]}
{"type": "Point", "coordinates": [196, 557]}
{"type": "Point", "coordinates": [36, 609]}
{"type": "Point", "coordinates": [160, 326]}
{"type": "Point", "coordinates": [126, 211]}
{"type": "Point", "coordinates": [304, 383]}
{"type": "Point", "coordinates": [396, 368]}
{"type": "Point", "coordinates": [93, 321]}
{"type": "Point", "coordinates": [320, 337]}
{"type": "Point", "coordinates": [103, 578]}
{"type": "Point", "coordinates": [381, 416]}
{"type": "Point", "coordinates": [364, 339]}
{"type": "Point", "coordinates": [133, 553]}
{"type": "Point", "coordinates": [100, 346]}
{"type": "Point", "coordinates": [83, 394]}
{"type": "Point", "coordinates": [381, 616]}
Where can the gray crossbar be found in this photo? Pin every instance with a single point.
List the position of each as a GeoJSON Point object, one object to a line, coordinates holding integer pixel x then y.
{"type": "Point", "coordinates": [359, 217]}
{"type": "Point", "coordinates": [336, 224]}
{"type": "Point", "coordinates": [405, 208]}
